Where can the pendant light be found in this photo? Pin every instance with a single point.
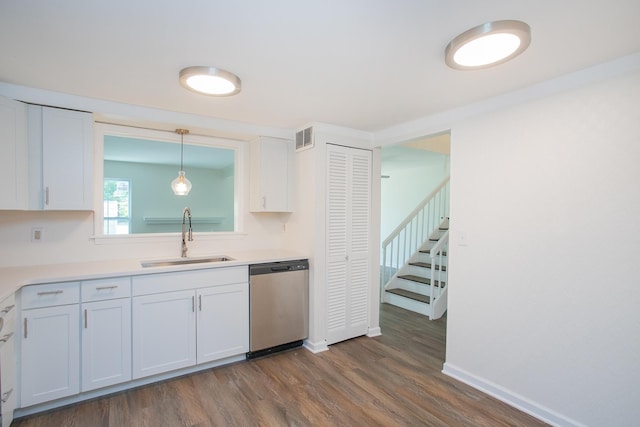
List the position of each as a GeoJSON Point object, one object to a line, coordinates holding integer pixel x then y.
{"type": "Point", "coordinates": [181, 185]}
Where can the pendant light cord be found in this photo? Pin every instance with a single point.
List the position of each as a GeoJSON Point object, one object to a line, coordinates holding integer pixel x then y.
{"type": "Point", "coordinates": [182, 132]}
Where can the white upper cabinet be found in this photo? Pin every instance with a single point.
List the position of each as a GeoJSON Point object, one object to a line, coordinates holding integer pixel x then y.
{"type": "Point", "coordinates": [271, 175]}
{"type": "Point", "coordinates": [13, 154]}
{"type": "Point", "coordinates": [60, 159]}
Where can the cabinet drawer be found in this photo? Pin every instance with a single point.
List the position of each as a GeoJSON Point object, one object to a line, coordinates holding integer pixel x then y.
{"type": "Point", "coordinates": [103, 289]}
{"type": "Point", "coordinates": [169, 282]}
{"type": "Point", "coordinates": [51, 294]}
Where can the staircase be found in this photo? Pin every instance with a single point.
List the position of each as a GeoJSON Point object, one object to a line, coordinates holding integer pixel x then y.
{"type": "Point", "coordinates": [414, 274]}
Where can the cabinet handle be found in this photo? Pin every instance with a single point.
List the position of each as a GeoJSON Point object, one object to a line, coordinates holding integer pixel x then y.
{"type": "Point", "coordinates": [46, 196]}
{"type": "Point", "coordinates": [5, 396]}
{"type": "Point", "coordinates": [85, 318]}
{"type": "Point", "coordinates": [7, 309]}
{"type": "Point", "coordinates": [264, 202]}
{"type": "Point", "coordinates": [25, 328]}
{"type": "Point", "coordinates": [193, 304]}
{"type": "Point", "coordinates": [6, 337]}
{"type": "Point", "coordinates": [200, 302]}
{"type": "Point", "coordinates": [50, 292]}
{"type": "Point", "coordinates": [102, 288]}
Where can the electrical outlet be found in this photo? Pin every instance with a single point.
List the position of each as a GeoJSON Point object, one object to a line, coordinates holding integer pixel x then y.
{"type": "Point", "coordinates": [36, 234]}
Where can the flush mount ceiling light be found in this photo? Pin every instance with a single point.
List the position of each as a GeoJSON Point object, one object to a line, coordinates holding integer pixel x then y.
{"type": "Point", "coordinates": [210, 81]}
{"type": "Point", "coordinates": [488, 44]}
{"type": "Point", "coordinates": [181, 185]}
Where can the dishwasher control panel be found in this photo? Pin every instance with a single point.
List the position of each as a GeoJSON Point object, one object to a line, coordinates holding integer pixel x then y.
{"type": "Point", "coordinates": [278, 267]}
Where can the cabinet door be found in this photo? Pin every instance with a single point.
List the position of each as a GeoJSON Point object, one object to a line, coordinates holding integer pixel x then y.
{"type": "Point", "coordinates": [13, 154]}
{"type": "Point", "coordinates": [348, 213]}
{"type": "Point", "coordinates": [223, 321]}
{"type": "Point", "coordinates": [67, 159]}
{"type": "Point", "coordinates": [7, 380]}
{"type": "Point", "coordinates": [164, 332]}
{"type": "Point", "coordinates": [271, 175]}
{"type": "Point", "coordinates": [50, 354]}
{"type": "Point", "coordinates": [7, 359]}
{"type": "Point", "coordinates": [106, 343]}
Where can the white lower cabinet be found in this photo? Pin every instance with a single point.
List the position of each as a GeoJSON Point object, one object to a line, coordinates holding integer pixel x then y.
{"type": "Point", "coordinates": [75, 337]}
{"type": "Point", "coordinates": [164, 332]}
{"type": "Point", "coordinates": [50, 354]}
{"type": "Point", "coordinates": [223, 322]}
{"type": "Point", "coordinates": [181, 328]}
{"type": "Point", "coordinates": [7, 359]}
{"type": "Point", "coordinates": [106, 343]}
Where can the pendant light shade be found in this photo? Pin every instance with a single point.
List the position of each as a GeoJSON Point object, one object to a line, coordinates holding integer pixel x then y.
{"type": "Point", "coordinates": [181, 185]}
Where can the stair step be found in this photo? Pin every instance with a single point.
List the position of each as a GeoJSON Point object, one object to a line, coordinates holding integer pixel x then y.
{"type": "Point", "coordinates": [427, 265]}
{"type": "Point", "coordinates": [419, 279]}
{"type": "Point", "coordinates": [411, 295]}
{"type": "Point", "coordinates": [428, 251]}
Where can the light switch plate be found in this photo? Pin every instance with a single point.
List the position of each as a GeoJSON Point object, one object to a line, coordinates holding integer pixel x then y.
{"type": "Point", "coordinates": [36, 234]}
{"type": "Point", "coordinates": [462, 238]}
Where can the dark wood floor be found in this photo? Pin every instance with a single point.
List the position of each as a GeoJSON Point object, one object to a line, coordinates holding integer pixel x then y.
{"type": "Point", "coordinates": [392, 380]}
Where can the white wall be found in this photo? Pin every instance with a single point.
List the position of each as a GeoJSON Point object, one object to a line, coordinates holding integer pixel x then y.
{"type": "Point", "coordinates": [544, 302]}
{"type": "Point", "coordinates": [408, 184]}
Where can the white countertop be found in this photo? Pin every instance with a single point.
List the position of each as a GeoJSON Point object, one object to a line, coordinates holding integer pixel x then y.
{"type": "Point", "coordinates": [13, 278]}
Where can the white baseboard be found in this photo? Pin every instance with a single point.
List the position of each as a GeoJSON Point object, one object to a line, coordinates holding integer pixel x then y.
{"type": "Point", "coordinates": [315, 347]}
{"type": "Point", "coordinates": [522, 403]}
{"type": "Point", "coordinates": [374, 332]}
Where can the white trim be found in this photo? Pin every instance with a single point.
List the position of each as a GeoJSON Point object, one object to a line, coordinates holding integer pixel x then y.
{"type": "Point", "coordinates": [135, 115]}
{"type": "Point", "coordinates": [519, 402]}
{"type": "Point", "coordinates": [104, 239]}
{"type": "Point", "coordinates": [374, 332]}
{"type": "Point", "coordinates": [21, 412]}
{"type": "Point", "coordinates": [443, 121]}
{"type": "Point", "coordinates": [315, 347]}
{"type": "Point", "coordinates": [103, 129]}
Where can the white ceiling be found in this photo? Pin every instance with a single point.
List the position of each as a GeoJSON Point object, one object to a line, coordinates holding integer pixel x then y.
{"type": "Point", "coordinates": [363, 64]}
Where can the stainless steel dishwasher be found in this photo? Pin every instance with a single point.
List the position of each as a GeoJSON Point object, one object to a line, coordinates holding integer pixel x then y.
{"type": "Point", "coordinates": [278, 306]}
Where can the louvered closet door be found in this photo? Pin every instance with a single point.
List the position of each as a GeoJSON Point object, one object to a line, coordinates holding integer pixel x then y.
{"type": "Point", "coordinates": [348, 217]}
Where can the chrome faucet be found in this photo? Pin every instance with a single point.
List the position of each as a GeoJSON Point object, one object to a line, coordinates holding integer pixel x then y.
{"type": "Point", "coordinates": [189, 234]}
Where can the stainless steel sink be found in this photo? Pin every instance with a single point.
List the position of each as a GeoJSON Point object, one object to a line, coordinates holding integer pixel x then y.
{"type": "Point", "coordinates": [183, 261]}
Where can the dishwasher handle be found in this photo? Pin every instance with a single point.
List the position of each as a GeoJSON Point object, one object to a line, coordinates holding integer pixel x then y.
{"type": "Point", "coordinates": [284, 268]}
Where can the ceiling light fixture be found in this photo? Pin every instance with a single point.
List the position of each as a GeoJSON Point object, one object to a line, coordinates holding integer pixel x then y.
{"type": "Point", "coordinates": [487, 45]}
{"type": "Point", "coordinates": [210, 81]}
{"type": "Point", "coordinates": [181, 185]}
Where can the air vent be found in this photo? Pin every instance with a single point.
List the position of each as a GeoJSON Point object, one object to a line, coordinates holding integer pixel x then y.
{"type": "Point", "coordinates": [304, 139]}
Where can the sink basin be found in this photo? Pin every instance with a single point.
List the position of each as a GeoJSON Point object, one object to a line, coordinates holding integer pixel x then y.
{"type": "Point", "coordinates": [184, 261]}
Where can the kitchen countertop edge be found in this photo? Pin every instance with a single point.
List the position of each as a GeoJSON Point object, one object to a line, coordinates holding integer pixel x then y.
{"type": "Point", "coordinates": [14, 278]}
